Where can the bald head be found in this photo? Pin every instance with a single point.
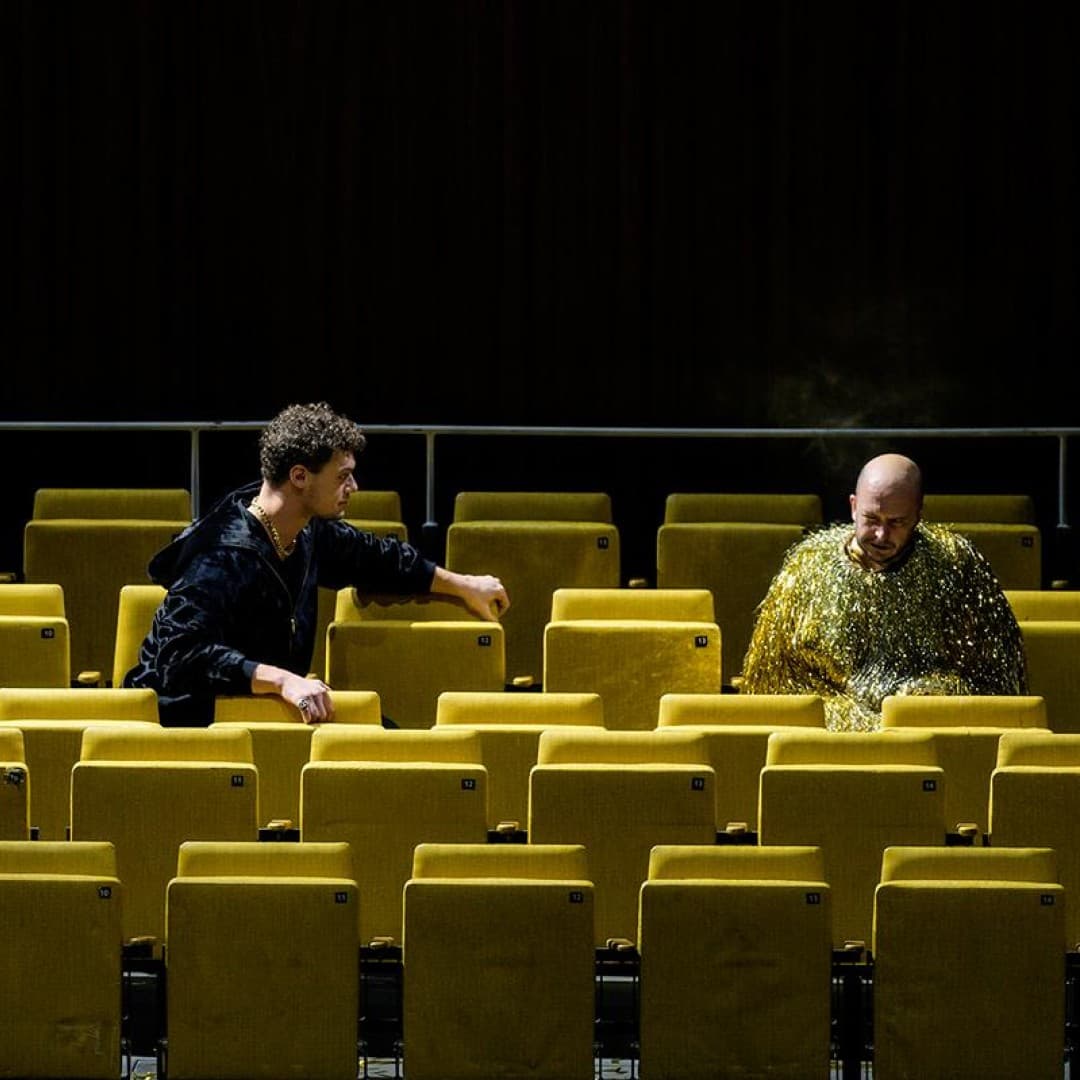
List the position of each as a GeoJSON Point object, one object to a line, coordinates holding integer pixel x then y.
{"type": "Point", "coordinates": [891, 473]}
{"type": "Point", "coordinates": [886, 507]}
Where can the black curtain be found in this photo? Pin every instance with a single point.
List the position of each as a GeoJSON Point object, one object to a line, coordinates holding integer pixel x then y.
{"type": "Point", "coordinates": [541, 212]}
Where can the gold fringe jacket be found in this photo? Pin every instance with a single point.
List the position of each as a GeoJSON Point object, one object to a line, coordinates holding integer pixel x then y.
{"type": "Point", "coordinates": [938, 623]}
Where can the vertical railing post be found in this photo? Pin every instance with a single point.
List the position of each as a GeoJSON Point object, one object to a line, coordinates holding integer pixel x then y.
{"type": "Point", "coordinates": [196, 495]}
{"type": "Point", "coordinates": [429, 531]}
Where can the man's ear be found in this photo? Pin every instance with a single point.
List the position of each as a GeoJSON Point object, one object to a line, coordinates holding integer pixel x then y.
{"type": "Point", "coordinates": [299, 474]}
{"type": "Point", "coordinates": [851, 500]}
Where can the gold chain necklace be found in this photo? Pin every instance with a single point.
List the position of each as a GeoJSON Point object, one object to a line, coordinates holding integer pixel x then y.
{"type": "Point", "coordinates": [283, 551]}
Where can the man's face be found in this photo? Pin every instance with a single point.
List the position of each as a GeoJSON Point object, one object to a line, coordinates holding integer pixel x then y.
{"type": "Point", "coordinates": [884, 520]}
{"type": "Point", "coordinates": [326, 493]}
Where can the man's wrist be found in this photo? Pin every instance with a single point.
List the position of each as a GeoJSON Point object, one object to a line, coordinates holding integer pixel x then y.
{"type": "Point", "coordinates": [267, 679]}
{"type": "Point", "coordinates": [446, 582]}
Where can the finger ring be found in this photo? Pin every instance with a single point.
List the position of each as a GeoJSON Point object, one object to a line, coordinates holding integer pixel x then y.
{"type": "Point", "coordinates": [304, 704]}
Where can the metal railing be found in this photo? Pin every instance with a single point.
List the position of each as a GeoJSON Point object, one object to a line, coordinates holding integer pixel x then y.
{"type": "Point", "coordinates": [430, 432]}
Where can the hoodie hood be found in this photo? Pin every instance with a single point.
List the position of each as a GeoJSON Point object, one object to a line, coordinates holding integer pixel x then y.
{"type": "Point", "coordinates": [226, 524]}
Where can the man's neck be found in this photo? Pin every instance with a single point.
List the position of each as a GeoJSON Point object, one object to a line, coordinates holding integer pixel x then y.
{"type": "Point", "coordinates": [284, 510]}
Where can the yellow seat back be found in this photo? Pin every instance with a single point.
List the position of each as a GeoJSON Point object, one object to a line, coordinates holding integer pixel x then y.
{"type": "Point", "coordinates": [681, 605]}
{"type": "Point", "coordinates": [852, 812]}
{"type": "Point", "coordinates": [36, 703]}
{"type": "Point", "coordinates": [568, 746]}
{"type": "Point", "coordinates": [852, 748]}
{"type": "Point", "coordinates": [32, 600]}
{"type": "Point", "coordinates": [736, 729]}
{"type": "Point", "coordinates": [252, 923]}
{"type": "Point", "coordinates": [409, 663]}
{"type": "Point", "coordinates": [1003, 509]}
{"type": "Point", "coordinates": [619, 812]}
{"type": "Point", "coordinates": [383, 809]}
{"type": "Point", "coordinates": [758, 507]}
{"type": "Point", "coordinates": [134, 616]}
{"type": "Point", "coordinates": [93, 559]}
{"type": "Point", "coordinates": [150, 790]}
{"type": "Point", "coordinates": [1055, 605]}
{"type": "Point", "coordinates": [1052, 648]}
{"type": "Point", "coordinates": [498, 947]}
{"type": "Point", "coordinates": [509, 726]}
{"type": "Point", "coordinates": [533, 559]}
{"type": "Point", "coordinates": [532, 506]}
{"type": "Point", "coordinates": [378, 744]}
{"type": "Point", "coordinates": [161, 504]}
{"type": "Point", "coordinates": [987, 912]}
{"type": "Point", "coordinates": [60, 968]}
{"type": "Point", "coordinates": [735, 963]}
{"type": "Point", "coordinates": [533, 862]}
{"type": "Point", "coordinates": [202, 858]}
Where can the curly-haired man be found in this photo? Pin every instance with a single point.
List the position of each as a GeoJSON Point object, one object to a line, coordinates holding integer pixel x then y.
{"type": "Point", "coordinates": [241, 608]}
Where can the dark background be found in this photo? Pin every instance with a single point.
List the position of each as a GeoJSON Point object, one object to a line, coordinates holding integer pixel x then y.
{"type": "Point", "coordinates": [828, 214]}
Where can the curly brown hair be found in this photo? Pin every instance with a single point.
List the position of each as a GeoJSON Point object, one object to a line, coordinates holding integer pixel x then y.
{"type": "Point", "coordinates": [305, 435]}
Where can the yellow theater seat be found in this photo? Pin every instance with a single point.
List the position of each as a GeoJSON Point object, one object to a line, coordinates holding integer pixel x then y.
{"type": "Point", "coordinates": [1053, 663]}
{"type": "Point", "coordinates": [509, 726]}
{"type": "Point", "coordinates": [1002, 527]}
{"type": "Point", "coordinates": [852, 795]}
{"type": "Point", "coordinates": [136, 608]}
{"type": "Point", "coordinates": [732, 545]}
{"type": "Point", "coordinates": [251, 926]}
{"type": "Point", "coordinates": [281, 741]}
{"type": "Point", "coordinates": [35, 640]}
{"type": "Point", "coordinates": [498, 953]}
{"type": "Point", "coordinates": [147, 790]}
{"type": "Point", "coordinates": [1035, 802]}
{"type": "Point", "coordinates": [631, 646]}
{"type": "Point", "coordinates": [968, 964]}
{"type": "Point", "coordinates": [1004, 509]}
{"type": "Point", "coordinates": [767, 508]}
{"type": "Point", "coordinates": [60, 968]}
{"type": "Point", "coordinates": [409, 652]}
{"type": "Point", "coordinates": [93, 542]}
{"type": "Point", "coordinates": [384, 792]}
{"type": "Point", "coordinates": [619, 793]}
{"type": "Point", "coordinates": [1054, 605]}
{"type": "Point", "coordinates": [52, 722]}
{"type": "Point", "coordinates": [532, 506]}
{"type": "Point", "coordinates": [44, 599]}
{"type": "Point", "coordinates": [535, 542]}
{"type": "Point", "coordinates": [966, 730]}
{"type": "Point", "coordinates": [146, 504]}
{"type": "Point", "coordinates": [735, 963]}
{"type": "Point", "coordinates": [736, 728]}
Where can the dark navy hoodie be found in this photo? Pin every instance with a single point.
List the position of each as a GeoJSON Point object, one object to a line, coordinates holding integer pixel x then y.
{"type": "Point", "coordinates": [233, 604]}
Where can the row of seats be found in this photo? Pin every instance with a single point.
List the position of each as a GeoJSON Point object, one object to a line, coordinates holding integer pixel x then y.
{"type": "Point", "coordinates": [261, 953]}
{"type": "Point", "coordinates": [629, 645]}
{"type": "Point", "coordinates": [736, 731]}
{"type": "Point", "coordinates": [92, 542]}
{"type": "Point", "coordinates": [147, 789]}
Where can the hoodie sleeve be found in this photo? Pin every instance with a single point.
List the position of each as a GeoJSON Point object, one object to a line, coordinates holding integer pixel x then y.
{"type": "Point", "coordinates": [192, 624]}
{"type": "Point", "coordinates": [350, 557]}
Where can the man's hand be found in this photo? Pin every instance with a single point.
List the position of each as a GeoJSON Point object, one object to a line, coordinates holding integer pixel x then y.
{"type": "Point", "coordinates": [310, 696]}
{"type": "Point", "coordinates": [482, 594]}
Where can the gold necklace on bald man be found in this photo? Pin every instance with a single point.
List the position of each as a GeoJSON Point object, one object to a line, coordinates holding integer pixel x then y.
{"type": "Point", "coordinates": [283, 550]}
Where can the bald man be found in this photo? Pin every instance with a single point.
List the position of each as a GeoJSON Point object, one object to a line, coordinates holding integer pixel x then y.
{"type": "Point", "coordinates": [890, 606]}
